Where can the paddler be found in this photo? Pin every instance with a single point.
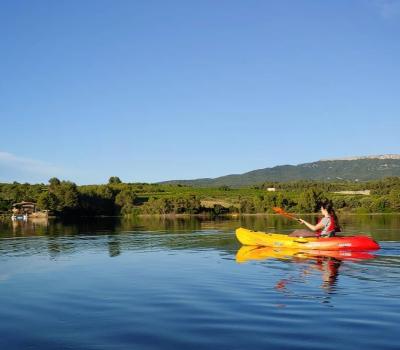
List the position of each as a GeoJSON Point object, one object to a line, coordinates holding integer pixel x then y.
{"type": "Point", "coordinates": [327, 226]}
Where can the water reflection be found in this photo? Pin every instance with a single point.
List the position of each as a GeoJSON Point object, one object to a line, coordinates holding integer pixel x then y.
{"type": "Point", "coordinates": [114, 246]}
{"type": "Point", "coordinates": [326, 263]}
{"type": "Point", "coordinates": [329, 269]}
{"type": "Point", "coordinates": [247, 253]}
{"type": "Point", "coordinates": [149, 281]}
{"type": "Point", "coordinates": [31, 227]}
{"type": "Point", "coordinates": [380, 227]}
{"type": "Point", "coordinates": [116, 235]}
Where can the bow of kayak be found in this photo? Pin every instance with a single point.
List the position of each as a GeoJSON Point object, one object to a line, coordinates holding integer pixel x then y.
{"type": "Point", "coordinates": [342, 243]}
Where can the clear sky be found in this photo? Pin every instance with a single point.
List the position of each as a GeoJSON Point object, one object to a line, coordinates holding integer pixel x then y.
{"type": "Point", "coordinates": [158, 90]}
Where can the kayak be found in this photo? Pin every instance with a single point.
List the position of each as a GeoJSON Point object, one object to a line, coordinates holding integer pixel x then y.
{"type": "Point", "coordinates": [246, 253]}
{"type": "Point", "coordinates": [342, 243]}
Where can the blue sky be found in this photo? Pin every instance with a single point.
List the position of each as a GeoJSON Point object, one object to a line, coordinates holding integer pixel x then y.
{"type": "Point", "coordinates": [157, 90]}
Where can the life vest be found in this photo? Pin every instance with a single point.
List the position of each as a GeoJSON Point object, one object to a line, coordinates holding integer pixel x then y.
{"type": "Point", "coordinates": [327, 231]}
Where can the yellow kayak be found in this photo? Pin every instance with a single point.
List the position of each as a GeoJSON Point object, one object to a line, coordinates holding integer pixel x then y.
{"type": "Point", "coordinates": [276, 240]}
{"type": "Point", "coordinates": [257, 238]}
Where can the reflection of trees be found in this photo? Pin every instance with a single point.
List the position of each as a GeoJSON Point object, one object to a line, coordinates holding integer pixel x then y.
{"type": "Point", "coordinates": [70, 237]}
{"type": "Point", "coordinates": [175, 233]}
{"type": "Point", "coordinates": [31, 227]}
{"type": "Point", "coordinates": [58, 246]}
{"type": "Point", "coordinates": [114, 246]}
{"type": "Point", "coordinates": [380, 227]}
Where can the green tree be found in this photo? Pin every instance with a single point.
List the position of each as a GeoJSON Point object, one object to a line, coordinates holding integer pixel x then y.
{"type": "Point", "coordinates": [309, 201]}
{"type": "Point", "coordinates": [114, 180]}
{"type": "Point", "coordinates": [54, 182]}
{"type": "Point", "coordinates": [47, 201]}
{"type": "Point", "coordinates": [158, 206]}
{"type": "Point", "coordinates": [247, 206]}
{"type": "Point", "coordinates": [64, 196]}
{"type": "Point", "coordinates": [394, 199]}
{"type": "Point", "coordinates": [125, 200]}
{"type": "Point", "coordinates": [70, 196]}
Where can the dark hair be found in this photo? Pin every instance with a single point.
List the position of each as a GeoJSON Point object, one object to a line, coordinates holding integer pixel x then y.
{"type": "Point", "coordinates": [328, 206]}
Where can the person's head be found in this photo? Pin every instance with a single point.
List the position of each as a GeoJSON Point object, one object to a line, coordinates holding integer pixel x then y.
{"type": "Point", "coordinates": [326, 207]}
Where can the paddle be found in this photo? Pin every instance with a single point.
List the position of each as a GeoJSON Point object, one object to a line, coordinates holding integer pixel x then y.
{"type": "Point", "coordinates": [282, 212]}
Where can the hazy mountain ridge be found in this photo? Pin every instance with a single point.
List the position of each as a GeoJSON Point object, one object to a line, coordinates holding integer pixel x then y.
{"type": "Point", "coordinates": [381, 156]}
{"type": "Point", "coordinates": [353, 169]}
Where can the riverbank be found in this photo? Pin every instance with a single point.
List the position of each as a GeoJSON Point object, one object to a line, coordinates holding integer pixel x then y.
{"type": "Point", "coordinates": [5, 218]}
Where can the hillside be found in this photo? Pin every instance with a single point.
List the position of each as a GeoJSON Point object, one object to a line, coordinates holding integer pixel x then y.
{"type": "Point", "coordinates": [353, 169]}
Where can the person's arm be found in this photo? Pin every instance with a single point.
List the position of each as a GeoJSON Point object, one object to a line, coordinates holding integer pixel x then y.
{"type": "Point", "coordinates": [312, 227]}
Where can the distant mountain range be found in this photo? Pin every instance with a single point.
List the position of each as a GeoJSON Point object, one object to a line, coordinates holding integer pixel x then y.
{"type": "Point", "coordinates": [353, 168]}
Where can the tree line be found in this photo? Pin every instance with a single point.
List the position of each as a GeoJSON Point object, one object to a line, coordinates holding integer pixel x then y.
{"type": "Point", "coordinates": [65, 198]}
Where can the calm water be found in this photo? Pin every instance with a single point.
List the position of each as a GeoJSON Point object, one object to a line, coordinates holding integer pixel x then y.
{"type": "Point", "coordinates": [171, 284]}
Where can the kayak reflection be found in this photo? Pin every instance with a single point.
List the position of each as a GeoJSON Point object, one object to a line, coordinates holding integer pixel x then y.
{"type": "Point", "coordinates": [246, 253]}
{"type": "Point", "coordinates": [327, 262]}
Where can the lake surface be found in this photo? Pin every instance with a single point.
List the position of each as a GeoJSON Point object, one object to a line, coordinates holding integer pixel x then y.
{"type": "Point", "coordinates": [111, 283]}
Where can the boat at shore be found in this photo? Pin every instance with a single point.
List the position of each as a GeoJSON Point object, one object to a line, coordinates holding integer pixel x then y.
{"type": "Point", "coordinates": [27, 210]}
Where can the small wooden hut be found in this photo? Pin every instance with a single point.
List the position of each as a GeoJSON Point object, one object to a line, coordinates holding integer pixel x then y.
{"type": "Point", "coordinates": [24, 208]}
{"type": "Point", "coordinates": [28, 209]}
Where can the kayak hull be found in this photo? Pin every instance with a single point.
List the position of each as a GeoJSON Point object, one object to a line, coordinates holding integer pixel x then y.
{"type": "Point", "coordinates": [340, 243]}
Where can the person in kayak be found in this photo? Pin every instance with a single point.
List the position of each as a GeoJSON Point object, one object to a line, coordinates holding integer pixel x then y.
{"type": "Point", "coordinates": [326, 227]}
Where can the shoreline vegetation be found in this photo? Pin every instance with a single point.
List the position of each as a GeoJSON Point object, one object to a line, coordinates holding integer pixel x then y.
{"type": "Point", "coordinates": [206, 216]}
{"type": "Point", "coordinates": [66, 199]}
